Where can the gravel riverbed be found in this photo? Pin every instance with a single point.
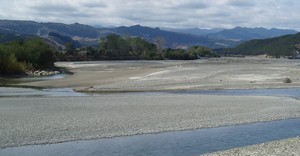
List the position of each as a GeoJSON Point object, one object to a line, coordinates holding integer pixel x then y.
{"type": "Point", "coordinates": [43, 120]}
{"type": "Point", "coordinates": [287, 147]}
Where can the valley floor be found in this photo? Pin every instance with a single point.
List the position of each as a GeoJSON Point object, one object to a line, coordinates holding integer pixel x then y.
{"type": "Point", "coordinates": [40, 120]}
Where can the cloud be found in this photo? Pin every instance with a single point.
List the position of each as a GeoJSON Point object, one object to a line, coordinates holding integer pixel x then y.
{"type": "Point", "coordinates": [190, 5]}
{"type": "Point", "coordinates": [239, 3]}
{"type": "Point", "coordinates": [158, 13]}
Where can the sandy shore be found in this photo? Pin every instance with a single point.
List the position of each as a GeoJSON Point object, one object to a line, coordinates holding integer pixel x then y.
{"type": "Point", "coordinates": [220, 73]}
{"type": "Point", "coordinates": [42, 120]}
{"type": "Point", "coordinates": [288, 147]}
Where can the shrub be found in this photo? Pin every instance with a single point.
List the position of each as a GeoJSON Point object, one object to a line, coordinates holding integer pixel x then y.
{"type": "Point", "coordinates": [17, 56]}
{"type": "Point", "coordinates": [10, 66]}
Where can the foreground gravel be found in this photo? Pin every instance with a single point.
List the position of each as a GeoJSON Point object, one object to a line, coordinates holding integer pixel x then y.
{"type": "Point", "coordinates": [288, 147]}
{"type": "Point", "coordinates": [43, 120]}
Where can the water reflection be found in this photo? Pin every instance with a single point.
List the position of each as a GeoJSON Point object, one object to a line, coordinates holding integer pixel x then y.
{"type": "Point", "coordinates": [9, 81]}
{"type": "Point", "coordinates": [30, 92]}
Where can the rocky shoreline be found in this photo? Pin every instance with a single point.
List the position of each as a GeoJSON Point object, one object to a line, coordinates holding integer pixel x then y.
{"type": "Point", "coordinates": [37, 73]}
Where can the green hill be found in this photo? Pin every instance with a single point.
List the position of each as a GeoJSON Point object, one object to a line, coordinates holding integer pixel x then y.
{"type": "Point", "coordinates": [278, 46]}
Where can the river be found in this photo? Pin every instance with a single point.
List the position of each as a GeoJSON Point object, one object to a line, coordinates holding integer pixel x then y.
{"type": "Point", "coordinates": [192, 142]}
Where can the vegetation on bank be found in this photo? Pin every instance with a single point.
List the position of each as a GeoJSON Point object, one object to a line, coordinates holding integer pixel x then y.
{"type": "Point", "coordinates": [115, 47]}
{"type": "Point", "coordinates": [18, 56]}
{"type": "Point", "coordinates": [35, 53]}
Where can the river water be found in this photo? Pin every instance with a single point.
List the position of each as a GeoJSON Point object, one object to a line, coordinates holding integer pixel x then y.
{"type": "Point", "coordinates": [182, 143]}
{"type": "Point", "coordinates": [52, 92]}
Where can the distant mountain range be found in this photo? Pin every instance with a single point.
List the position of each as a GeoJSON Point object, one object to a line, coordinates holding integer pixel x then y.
{"type": "Point", "coordinates": [174, 38]}
{"type": "Point", "coordinates": [241, 33]}
{"type": "Point", "coordinates": [194, 31]}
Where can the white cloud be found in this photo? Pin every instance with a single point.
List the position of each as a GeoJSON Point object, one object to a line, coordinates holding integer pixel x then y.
{"type": "Point", "coordinates": [158, 13]}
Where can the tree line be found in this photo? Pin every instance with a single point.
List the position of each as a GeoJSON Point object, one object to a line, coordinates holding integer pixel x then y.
{"type": "Point", "coordinates": [36, 53]}
{"type": "Point", "coordinates": [115, 47]}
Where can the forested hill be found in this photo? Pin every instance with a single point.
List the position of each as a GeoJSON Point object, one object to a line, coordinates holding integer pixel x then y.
{"type": "Point", "coordinates": [7, 36]}
{"type": "Point", "coordinates": [278, 46]}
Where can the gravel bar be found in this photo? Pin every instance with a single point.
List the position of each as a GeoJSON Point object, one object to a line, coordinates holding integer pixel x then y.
{"type": "Point", "coordinates": [43, 120]}
{"type": "Point", "coordinates": [288, 147]}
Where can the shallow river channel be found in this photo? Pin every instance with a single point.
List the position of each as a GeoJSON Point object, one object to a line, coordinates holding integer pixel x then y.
{"type": "Point", "coordinates": [193, 142]}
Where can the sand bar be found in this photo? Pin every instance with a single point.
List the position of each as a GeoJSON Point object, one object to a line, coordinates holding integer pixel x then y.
{"type": "Point", "coordinates": [218, 73]}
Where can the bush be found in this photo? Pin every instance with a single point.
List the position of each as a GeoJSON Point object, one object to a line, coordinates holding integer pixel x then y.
{"type": "Point", "coordinates": [10, 66]}
{"type": "Point", "coordinates": [178, 54]}
{"type": "Point", "coordinates": [17, 56]}
{"type": "Point", "coordinates": [200, 51]}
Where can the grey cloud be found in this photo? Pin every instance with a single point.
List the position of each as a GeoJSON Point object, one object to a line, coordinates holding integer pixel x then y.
{"type": "Point", "coordinates": [191, 5]}
{"type": "Point", "coordinates": [52, 8]}
{"type": "Point", "coordinates": [57, 10]}
{"type": "Point", "coordinates": [159, 13]}
{"type": "Point", "coordinates": [239, 3]}
{"type": "Point", "coordinates": [94, 5]}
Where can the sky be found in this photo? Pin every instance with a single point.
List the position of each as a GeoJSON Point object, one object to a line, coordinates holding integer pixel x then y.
{"type": "Point", "coordinates": [158, 13]}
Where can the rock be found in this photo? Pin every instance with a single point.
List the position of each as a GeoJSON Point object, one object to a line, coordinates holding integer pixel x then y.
{"type": "Point", "coordinates": [37, 73]}
{"type": "Point", "coordinates": [287, 80]}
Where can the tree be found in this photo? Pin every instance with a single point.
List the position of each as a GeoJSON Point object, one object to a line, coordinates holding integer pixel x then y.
{"type": "Point", "coordinates": [109, 45]}
{"type": "Point", "coordinates": [69, 48]}
{"type": "Point", "coordinates": [160, 43]}
{"type": "Point", "coordinates": [200, 51]}
{"type": "Point", "coordinates": [178, 54]}
{"type": "Point", "coordinates": [17, 56]}
{"type": "Point", "coordinates": [39, 53]}
{"type": "Point", "coordinates": [9, 65]}
{"type": "Point", "coordinates": [119, 47]}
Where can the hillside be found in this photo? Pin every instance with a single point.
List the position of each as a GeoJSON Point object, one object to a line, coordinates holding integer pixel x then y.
{"type": "Point", "coordinates": [278, 46]}
{"type": "Point", "coordinates": [7, 36]}
{"type": "Point", "coordinates": [42, 29]}
{"type": "Point", "coordinates": [241, 33]}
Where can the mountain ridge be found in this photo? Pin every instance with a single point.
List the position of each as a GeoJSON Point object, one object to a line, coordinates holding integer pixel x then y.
{"type": "Point", "coordinates": [244, 33]}
{"type": "Point", "coordinates": [90, 35]}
